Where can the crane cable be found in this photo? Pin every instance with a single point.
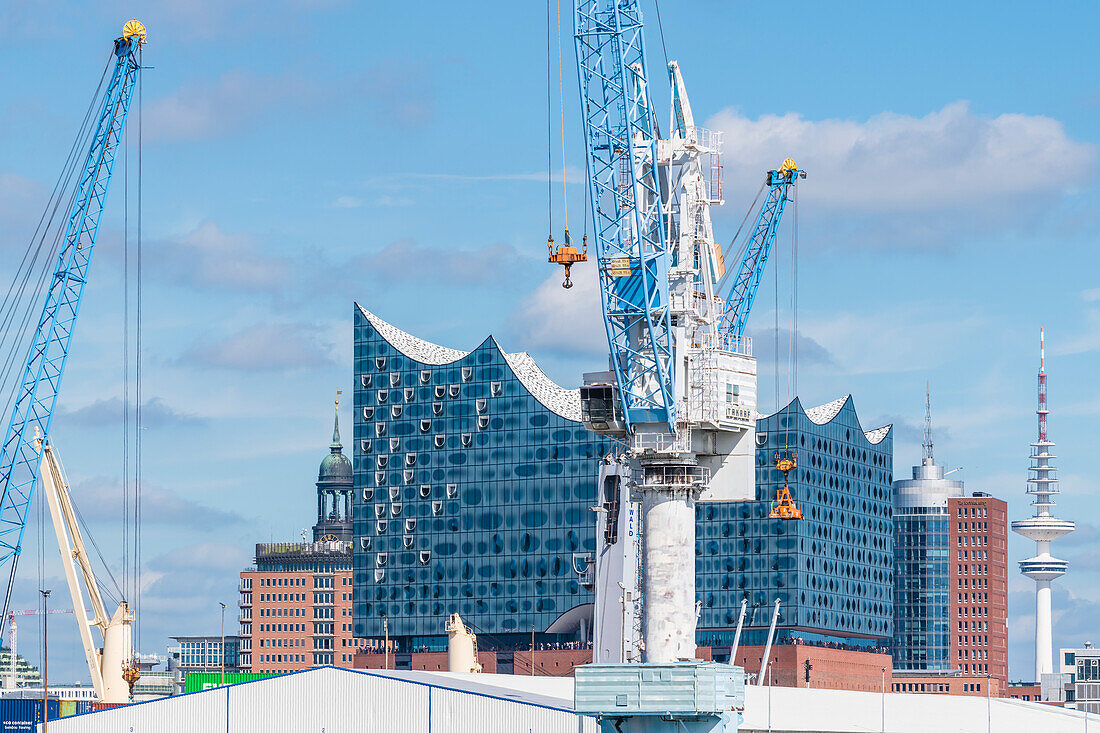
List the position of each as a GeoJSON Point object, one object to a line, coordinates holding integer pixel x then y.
{"type": "Point", "coordinates": [744, 243]}
{"type": "Point", "coordinates": [561, 104]}
{"type": "Point", "coordinates": [132, 430]}
{"type": "Point", "coordinates": [549, 134]}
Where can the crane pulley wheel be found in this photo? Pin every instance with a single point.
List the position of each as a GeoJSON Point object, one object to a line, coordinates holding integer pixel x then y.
{"type": "Point", "coordinates": [134, 29]}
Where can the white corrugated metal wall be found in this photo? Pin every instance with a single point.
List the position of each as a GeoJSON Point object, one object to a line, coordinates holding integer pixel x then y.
{"type": "Point", "coordinates": [330, 700]}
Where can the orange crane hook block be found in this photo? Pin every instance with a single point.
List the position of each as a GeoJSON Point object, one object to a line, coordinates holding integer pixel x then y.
{"type": "Point", "coordinates": [566, 255]}
{"type": "Point", "coordinates": [784, 507]}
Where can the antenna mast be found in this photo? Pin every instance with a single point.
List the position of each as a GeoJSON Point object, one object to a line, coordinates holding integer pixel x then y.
{"type": "Point", "coordinates": [929, 459]}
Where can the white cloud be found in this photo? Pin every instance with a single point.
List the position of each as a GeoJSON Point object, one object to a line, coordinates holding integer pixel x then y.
{"type": "Point", "coordinates": [100, 499]}
{"type": "Point", "coordinates": [407, 260]}
{"type": "Point", "coordinates": [209, 258]}
{"type": "Point", "coordinates": [266, 347]}
{"type": "Point", "coordinates": [565, 322]}
{"type": "Point", "coordinates": [385, 200]}
{"type": "Point", "coordinates": [889, 339]}
{"type": "Point", "coordinates": [346, 202]}
{"type": "Point", "coordinates": [572, 174]}
{"type": "Point", "coordinates": [948, 159]}
{"type": "Point", "coordinates": [205, 109]}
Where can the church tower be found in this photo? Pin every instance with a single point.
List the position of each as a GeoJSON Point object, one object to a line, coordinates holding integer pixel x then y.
{"type": "Point", "coordinates": [334, 491]}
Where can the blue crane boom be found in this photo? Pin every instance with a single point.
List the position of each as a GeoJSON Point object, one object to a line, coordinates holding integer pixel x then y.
{"type": "Point", "coordinates": [34, 404]}
{"type": "Point", "coordinates": [627, 212]}
{"type": "Point", "coordinates": [755, 258]}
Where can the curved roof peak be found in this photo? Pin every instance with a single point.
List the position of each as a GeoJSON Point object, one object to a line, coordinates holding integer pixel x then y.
{"type": "Point", "coordinates": [557, 399]}
{"type": "Point", "coordinates": [422, 351]}
{"type": "Point", "coordinates": [823, 414]}
{"type": "Point", "coordinates": [876, 436]}
{"type": "Point", "coordinates": [826, 413]}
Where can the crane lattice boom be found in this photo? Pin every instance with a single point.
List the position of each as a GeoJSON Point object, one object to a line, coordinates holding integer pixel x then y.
{"type": "Point", "coordinates": [49, 350]}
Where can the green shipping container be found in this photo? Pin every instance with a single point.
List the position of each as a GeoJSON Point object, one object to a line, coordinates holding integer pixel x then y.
{"type": "Point", "coordinates": [199, 681]}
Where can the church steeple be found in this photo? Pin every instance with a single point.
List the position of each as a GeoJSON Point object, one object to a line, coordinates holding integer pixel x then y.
{"type": "Point", "coordinates": [334, 489]}
{"type": "Point", "coordinates": [336, 447]}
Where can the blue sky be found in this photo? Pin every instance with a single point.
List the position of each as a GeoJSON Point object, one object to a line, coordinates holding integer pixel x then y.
{"type": "Point", "coordinates": [303, 154]}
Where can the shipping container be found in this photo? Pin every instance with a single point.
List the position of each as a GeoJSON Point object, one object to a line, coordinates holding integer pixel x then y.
{"type": "Point", "coordinates": [199, 681]}
{"type": "Point", "coordinates": [107, 705]}
{"type": "Point", "coordinates": [21, 715]}
{"type": "Point", "coordinates": [75, 707]}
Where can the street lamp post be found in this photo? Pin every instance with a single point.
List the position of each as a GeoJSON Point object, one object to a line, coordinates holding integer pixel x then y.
{"type": "Point", "coordinates": [989, 714]}
{"type": "Point", "coordinates": [45, 665]}
{"type": "Point", "coordinates": [884, 700]}
{"type": "Point", "coordinates": [223, 643]}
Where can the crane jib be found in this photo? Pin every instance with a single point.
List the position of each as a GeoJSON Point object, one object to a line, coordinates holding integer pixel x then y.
{"type": "Point", "coordinates": [36, 399]}
{"type": "Point", "coordinates": [628, 219]}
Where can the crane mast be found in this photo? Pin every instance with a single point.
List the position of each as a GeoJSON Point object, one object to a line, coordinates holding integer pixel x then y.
{"type": "Point", "coordinates": [49, 349]}
{"type": "Point", "coordinates": [681, 388]}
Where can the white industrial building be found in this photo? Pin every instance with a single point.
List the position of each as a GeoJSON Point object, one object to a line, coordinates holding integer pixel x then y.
{"type": "Point", "coordinates": [333, 700]}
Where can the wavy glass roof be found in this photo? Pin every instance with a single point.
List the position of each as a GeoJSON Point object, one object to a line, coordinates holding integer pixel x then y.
{"type": "Point", "coordinates": [557, 399]}
{"type": "Point", "coordinates": [826, 413]}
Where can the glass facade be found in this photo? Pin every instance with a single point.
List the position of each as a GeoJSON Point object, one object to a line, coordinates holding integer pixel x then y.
{"type": "Point", "coordinates": [473, 488]}
{"type": "Point", "coordinates": [831, 570]}
{"type": "Point", "coordinates": [922, 623]}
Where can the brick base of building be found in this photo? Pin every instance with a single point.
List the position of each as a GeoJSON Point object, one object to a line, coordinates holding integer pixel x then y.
{"type": "Point", "coordinates": [831, 669]}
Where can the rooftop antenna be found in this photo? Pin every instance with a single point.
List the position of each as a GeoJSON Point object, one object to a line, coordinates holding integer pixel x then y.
{"type": "Point", "coordinates": [929, 459]}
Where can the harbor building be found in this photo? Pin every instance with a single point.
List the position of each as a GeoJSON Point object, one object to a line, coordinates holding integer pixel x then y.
{"type": "Point", "coordinates": [202, 654]}
{"type": "Point", "coordinates": [1080, 677]}
{"type": "Point", "coordinates": [950, 580]}
{"type": "Point", "coordinates": [830, 571]}
{"type": "Point", "coordinates": [474, 480]}
{"type": "Point", "coordinates": [295, 604]}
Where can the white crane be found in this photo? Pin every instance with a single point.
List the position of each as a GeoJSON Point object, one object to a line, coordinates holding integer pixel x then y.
{"type": "Point", "coordinates": [111, 665]}
{"type": "Point", "coordinates": [13, 638]}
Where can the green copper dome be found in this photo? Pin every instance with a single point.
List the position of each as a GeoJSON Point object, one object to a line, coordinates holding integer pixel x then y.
{"type": "Point", "coordinates": [336, 467]}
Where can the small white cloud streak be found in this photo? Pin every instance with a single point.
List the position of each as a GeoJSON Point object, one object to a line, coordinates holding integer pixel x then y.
{"type": "Point", "coordinates": [948, 159]}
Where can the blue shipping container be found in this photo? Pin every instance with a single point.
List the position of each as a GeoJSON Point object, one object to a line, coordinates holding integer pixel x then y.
{"type": "Point", "coordinates": [21, 715]}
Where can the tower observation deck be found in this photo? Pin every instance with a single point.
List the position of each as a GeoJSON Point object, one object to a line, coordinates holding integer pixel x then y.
{"type": "Point", "coordinates": [1043, 528]}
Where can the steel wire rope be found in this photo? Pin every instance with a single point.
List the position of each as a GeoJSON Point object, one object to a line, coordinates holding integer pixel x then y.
{"type": "Point", "coordinates": [549, 134]}
{"type": "Point", "coordinates": [561, 104]}
{"type": "Point", "coordinates": [744, 244]}
{"type": "Point", "coordinates": [11, 307]}
{"type": "Point", "coordinates": [126, 366]}
{"type": "Point", "coordinates": [90, 537]}
{"type": "Point", "coordinates": [138, 395]}
{"type": "Point", "coordinates": [60, 185]}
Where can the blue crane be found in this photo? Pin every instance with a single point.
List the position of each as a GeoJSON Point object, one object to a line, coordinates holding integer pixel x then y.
{"type": "Point", "coordinates": [755, 257]}
{"type": "Point", "coordinates": [628, 214]}
{"type": "Point", "coordinates": [37, 396]}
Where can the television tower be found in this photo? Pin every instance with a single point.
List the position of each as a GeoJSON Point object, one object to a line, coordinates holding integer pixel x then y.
{"type": "Point", "coordinates": [1043, 528]}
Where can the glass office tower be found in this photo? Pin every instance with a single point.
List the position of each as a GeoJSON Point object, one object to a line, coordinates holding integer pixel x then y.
{"type": "Point", "coordinates": [922, 570]}
{"type": "Point", "coordinates": [831, 571]}
{"type": "Point", "coordinates": [474, 480]}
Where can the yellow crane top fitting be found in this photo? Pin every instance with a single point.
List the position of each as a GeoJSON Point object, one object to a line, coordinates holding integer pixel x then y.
{"type": "Point", "coordinates": [788, 165]}
{"type": "Point", "coordinates": [134, 29]}
{"type": "Point", "coordinates": [566, 255]}
{"type": "Point", "coordinates": [784, 507]}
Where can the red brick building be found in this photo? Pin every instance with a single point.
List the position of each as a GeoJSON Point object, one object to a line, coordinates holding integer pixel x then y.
{"type": "Point", "coordinates": [295, 605]}
{"type": "Point", "coordinates": [979, 586]}
{"type": "Point", "coordinates": [830, 668]}
{"type": "Point", "coordinates": [977, 685]}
